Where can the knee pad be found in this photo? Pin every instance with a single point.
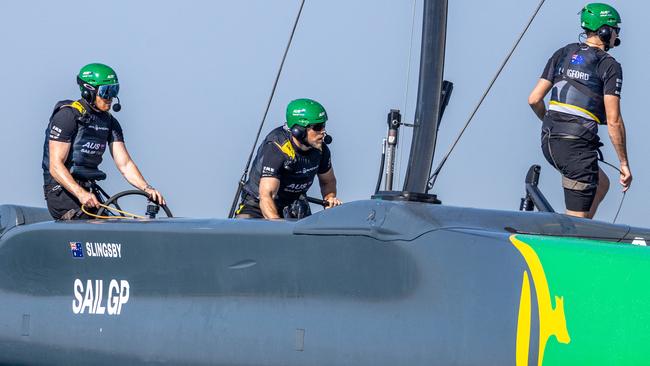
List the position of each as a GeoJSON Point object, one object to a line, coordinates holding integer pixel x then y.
{"type": "Point", "coordinates": [575, 185]}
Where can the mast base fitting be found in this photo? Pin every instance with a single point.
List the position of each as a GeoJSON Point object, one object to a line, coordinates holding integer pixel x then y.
{"type": "Point", "coordinates": [406, 196]}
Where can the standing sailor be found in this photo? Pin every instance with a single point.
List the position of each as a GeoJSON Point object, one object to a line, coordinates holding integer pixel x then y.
{"type": "Point", "coordinates": [286, 163]}
{"type": "Point", "coordinates": [75, 140]}
{"type": "Point", "coordinates": [586, 90]}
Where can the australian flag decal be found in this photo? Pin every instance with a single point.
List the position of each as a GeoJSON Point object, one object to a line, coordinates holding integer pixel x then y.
{"type": "Point", "coordinates": [577, 59]}
{"type": "Point", "coordinates": [76, 249]}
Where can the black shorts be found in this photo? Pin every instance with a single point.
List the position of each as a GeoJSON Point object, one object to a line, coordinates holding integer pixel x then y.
{"type": "Point", "coordinates": [60, 201]}
{"type": "Point", "coordinates": [577, 160]}
{"type": "Point", "coordinates": [250, 207]}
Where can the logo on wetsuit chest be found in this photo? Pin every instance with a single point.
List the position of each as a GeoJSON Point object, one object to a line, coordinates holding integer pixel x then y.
{"type": "Point", "coordinates": [306, 170]}
{"type": "Point", "coordinates": [297, 187]}
{"type": "Point", "coordinates": [98, 128]}
{"type": "Point", "coordinates": [93, 148]}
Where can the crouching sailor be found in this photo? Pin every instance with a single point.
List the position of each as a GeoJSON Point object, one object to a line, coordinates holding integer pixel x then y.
{"type": "Point", "coordinates": [285, 166]}
{"type": "Point", "coordinates": [586, 90]}
{"type": "Point", "coordinates": [75, 140]}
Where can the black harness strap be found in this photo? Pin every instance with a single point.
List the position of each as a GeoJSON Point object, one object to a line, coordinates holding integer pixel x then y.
{"type": "Point", "coordinates": [582, 88]}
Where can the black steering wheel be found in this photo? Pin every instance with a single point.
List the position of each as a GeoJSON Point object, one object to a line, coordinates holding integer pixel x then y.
{"type": "Point", "coordinates": [152, 207]}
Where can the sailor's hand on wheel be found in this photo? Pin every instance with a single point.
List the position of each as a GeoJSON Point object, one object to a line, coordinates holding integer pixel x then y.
{"type": "Point", "coordinates": [626, 177]}
{"type": "Point", "coordinates": [332, 201]}
{"type": "Point", "coordinates": [154, 195]}
{"type": "Point", "coordinates": [88, 199]}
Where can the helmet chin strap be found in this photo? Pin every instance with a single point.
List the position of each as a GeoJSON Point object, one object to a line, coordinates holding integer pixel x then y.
{"type": "Point", "coordinates": [302, 143]}
{"type": "Point", "coordinates": [617, 42]}
{"type": "Point", "coordinates": [305, 143]}
{"type": "Point", "coordinates": [93, 105]}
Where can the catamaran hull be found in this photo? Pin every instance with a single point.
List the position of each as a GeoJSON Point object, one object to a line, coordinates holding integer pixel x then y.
{"type": "Point", "coordinates": [314, 292]}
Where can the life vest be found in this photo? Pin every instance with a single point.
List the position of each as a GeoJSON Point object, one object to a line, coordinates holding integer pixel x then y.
{"type": "Point", "coordinates": [89, 144]}
{"type": "Point", "coordinates": [298, 171]}
{"type": "Point", "coordinates": [577, 86]}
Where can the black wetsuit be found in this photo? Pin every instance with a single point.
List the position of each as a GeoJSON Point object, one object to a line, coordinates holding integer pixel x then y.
{"type": "Point", "coordinates": [581, 77]}
{"type": "Point", "coordinates": [88, 132]}
{"type": "Point", "coordinates": [278, 157]}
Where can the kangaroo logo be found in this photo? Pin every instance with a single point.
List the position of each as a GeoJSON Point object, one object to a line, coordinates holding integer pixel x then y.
{"type": "Point", "coordinates": [552, 321]}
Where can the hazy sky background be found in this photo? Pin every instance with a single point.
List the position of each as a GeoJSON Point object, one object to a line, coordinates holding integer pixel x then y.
{"type": "Point", "coordinates": [195, 77]}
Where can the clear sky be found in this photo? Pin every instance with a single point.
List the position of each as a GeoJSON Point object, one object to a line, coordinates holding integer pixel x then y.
{"type": "Point", "coordinates": [195, 77]}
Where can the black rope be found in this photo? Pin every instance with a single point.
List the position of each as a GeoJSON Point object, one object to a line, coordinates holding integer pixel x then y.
{"type": "Point", "coordinates": [620, 204]}
{"type": "Point", "coordinates": [244, 176]}
{"type": "Point", "coordinates": [434, 176]}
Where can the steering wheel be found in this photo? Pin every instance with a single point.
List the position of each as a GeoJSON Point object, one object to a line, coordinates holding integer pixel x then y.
{"type": "Point", "coordinates": [152, 208]}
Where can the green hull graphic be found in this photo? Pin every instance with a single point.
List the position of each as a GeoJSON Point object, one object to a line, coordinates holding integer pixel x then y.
{"type": "Point", "coordinates": [605, 292]}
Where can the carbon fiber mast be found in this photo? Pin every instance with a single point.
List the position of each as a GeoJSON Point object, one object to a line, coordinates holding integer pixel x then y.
{"type": "Point", "coordinates": [428, 109]}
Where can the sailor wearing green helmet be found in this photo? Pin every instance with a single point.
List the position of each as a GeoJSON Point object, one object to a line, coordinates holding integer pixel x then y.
{"type": "Point", "coordinates": [286, 163]}
{"type": "Point", "coordinates": [75, 140]}
{"type": "Point", "coordinates": [585, 84]}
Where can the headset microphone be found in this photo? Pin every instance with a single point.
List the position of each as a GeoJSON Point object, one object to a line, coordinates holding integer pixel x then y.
{"type": "Point", "coordinates": [117, 106]}
{"type": "Point", "coordinates": [327, 139]}
{"type": "Point", "coordinates": [617, 42]}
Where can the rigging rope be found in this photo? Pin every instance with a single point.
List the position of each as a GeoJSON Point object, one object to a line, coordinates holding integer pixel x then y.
{"type": "Point", "coordinates": [244, 176]}
{"type": "Point", "coordinates": [129, 215]}
{"type": "Point", "coordinates": [398, 169]}
{"type": "Point", "coordinates": [434, 176]}
{"type": "Point", "coordinates": [620, 205]}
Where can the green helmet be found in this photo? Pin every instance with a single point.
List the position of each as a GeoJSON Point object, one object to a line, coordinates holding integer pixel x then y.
{"type": "Point", "coordinates": [97, 74]}
{"type": "Point", "coordinates": [97, 79]}
{"type": "Point", "coordinates": [595, 15]}
{"type": "Point", "coordinates": [305, 112]}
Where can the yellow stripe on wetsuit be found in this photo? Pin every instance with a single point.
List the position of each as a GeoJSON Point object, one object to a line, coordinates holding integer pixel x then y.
{"type": "Point", "coordinates": [572, 109]}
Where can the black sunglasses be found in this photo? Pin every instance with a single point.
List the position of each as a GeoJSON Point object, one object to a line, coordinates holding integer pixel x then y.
{"type": "Point", "coordinates": [318, 127]}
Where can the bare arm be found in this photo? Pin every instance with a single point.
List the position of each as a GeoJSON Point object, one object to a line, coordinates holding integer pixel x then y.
{"type": "Point", "coordinates": [130, 171]}
{"type": "Point", "coordinates": [536, 98]}
{"type": "Point", "coordinates": [327, 183]}
{"type": "Point", "coordinates": [616, 130]}
{"type": "Point", "coordinates": [268, 189]}
{"type": "Point", "coordinates": [58, 154]}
